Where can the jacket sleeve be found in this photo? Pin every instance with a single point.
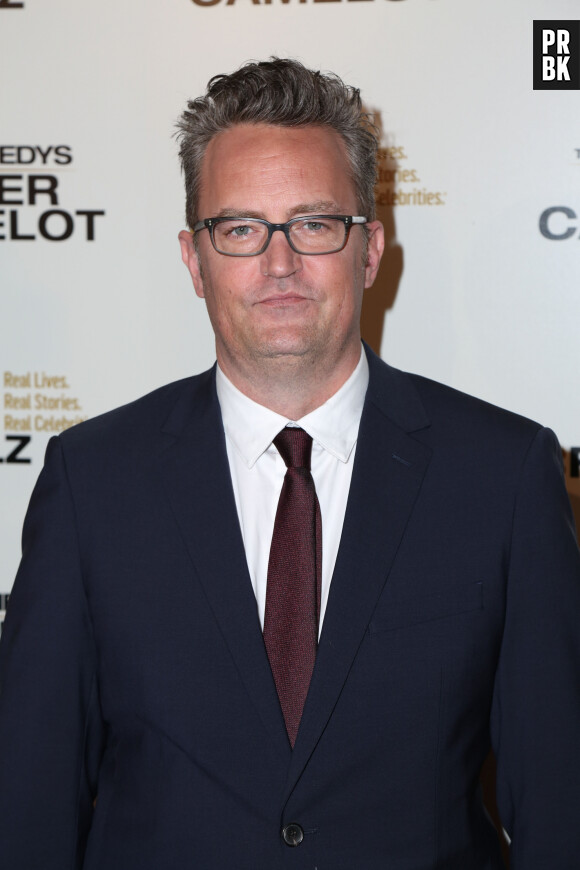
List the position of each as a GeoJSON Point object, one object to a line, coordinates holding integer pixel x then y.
{"type": "Point", "coordinates": [536, 708]}
{"type": "Point", "coordinates": [51, 732]}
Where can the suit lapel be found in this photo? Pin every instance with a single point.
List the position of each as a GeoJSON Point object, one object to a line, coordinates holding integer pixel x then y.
{"type": "Point", "coordinates": [387, 476]}
{"type": "Point", "coordinates": [388, 472]}
{"type": "Point", "coordinates": [198, 484]}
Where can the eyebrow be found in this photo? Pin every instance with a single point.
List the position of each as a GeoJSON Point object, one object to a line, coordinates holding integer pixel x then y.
{"type": "Point", "coordinates": [320, 206]}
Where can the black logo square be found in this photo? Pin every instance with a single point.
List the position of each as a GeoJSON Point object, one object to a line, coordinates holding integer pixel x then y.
{"type": "Point", "coordinates": [556, 55]}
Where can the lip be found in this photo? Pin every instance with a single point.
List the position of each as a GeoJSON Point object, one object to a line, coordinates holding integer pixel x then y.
{"type": "Point", "coordinates": [283, 300]}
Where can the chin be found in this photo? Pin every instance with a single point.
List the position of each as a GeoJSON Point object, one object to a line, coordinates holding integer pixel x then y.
{"type": "Point", "coordinates": [290, 343]}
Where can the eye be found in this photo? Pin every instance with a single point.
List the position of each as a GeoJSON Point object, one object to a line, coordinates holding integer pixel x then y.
{"type": "Point", "coordinates": [314, 226]}
{"type": "Point", "coordinates": [239, 232]}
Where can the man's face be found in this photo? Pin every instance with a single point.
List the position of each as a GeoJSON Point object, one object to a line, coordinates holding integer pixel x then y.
{"type": "Point", "coordinates": [280, 303]}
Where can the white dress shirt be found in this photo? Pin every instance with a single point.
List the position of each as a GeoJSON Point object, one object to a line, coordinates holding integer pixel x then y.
{"type": "Point", "coordinates": [258, 470]}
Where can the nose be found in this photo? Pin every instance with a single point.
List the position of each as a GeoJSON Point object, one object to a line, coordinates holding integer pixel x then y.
{"type": "Point", "coordinates": [279, 260]}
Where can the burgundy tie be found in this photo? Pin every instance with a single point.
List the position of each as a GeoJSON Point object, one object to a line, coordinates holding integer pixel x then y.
{"type": "Point", "coordinates": [294, 572]}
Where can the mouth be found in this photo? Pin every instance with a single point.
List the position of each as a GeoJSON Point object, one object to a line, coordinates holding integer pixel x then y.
{"type": "Point", "coordinates": [283, 300]}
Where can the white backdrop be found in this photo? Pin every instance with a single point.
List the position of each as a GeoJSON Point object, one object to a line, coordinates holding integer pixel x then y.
{"type": "Point", "coordinates": [485, 301]}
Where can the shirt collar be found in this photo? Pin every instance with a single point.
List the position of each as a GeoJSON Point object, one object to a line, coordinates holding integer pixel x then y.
{"type": "Point", "coordinates": [334, 425]}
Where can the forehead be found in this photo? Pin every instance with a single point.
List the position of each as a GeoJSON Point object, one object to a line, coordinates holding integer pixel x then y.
{"type": "Point", "coordinates": [265, 168]}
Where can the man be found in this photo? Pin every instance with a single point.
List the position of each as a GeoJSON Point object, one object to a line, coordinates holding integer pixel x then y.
{"type": "Point", "coordinates": [213, 660]}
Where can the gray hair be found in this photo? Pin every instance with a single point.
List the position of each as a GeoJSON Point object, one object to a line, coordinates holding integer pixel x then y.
{"type": "Point", "coordinates": [284, 93]}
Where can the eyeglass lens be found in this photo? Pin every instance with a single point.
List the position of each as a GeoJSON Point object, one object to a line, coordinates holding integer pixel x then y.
{"type": "Point", "coordinates": [247, 236]}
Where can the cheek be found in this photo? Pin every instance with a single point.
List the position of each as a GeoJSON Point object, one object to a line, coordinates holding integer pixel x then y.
{"type": "Point", "coordinates": [226, 298]}
{"type": "Point", "coordinates": [341, 284]}
{"type": "Point", "coordinates": [232, 278]}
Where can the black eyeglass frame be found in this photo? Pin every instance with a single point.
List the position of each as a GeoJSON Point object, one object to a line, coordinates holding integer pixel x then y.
{"type": "Point", "coordinates": [348, 220]}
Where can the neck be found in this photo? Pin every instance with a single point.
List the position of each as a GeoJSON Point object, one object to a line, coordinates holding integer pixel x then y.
{"type": "Point", "coordinates": [292, 386]}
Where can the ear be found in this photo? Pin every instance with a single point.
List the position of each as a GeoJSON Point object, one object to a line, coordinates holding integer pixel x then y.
{"type": "Point", "coordinates": [190, 258]}
{"type": "Point", "coordinates": [375, 248]}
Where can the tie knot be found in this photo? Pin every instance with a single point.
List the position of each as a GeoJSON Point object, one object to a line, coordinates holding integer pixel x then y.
{"type": "Point", "coordinates": [294, 446]}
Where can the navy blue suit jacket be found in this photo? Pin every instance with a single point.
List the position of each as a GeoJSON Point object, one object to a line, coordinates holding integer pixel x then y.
{"type": "Point", "coordinates": [133, 668]}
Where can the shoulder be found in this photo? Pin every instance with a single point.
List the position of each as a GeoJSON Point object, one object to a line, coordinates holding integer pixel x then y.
{"type": "Point", "coordinates": [144, 424]}
{"type": "Point", "coordinates": [455, 410]}
{"type": "Point", "coordinates": [417, 402]}
{"type": "Point", "coordinates": [479, 448]}
{"type": "Point", "coordinates": [468, 438]}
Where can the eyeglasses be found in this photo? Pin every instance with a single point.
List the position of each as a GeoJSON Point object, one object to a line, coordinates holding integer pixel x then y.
{"type": "Point", "coordinates": [248, 237]}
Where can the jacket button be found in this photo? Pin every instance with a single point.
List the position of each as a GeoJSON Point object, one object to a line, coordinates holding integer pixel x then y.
{"type": "Point", "coordinates": [292, 834]}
